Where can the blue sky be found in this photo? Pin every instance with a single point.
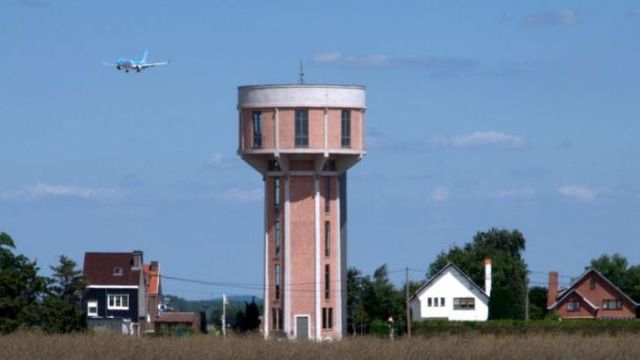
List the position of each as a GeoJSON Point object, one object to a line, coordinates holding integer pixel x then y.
{"type": "Point", "coordinates": [503, 114]}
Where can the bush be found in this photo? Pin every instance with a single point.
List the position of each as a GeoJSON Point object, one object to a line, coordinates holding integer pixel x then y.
{"type": "Point", "coordinates": [379, 328]}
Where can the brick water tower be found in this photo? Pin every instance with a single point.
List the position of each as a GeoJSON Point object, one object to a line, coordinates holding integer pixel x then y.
{"type": "Point", "coordinates": [303, 139]}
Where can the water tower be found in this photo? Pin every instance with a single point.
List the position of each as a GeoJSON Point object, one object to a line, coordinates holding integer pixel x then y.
{"type": "Point", "coordinates": [303, 139]}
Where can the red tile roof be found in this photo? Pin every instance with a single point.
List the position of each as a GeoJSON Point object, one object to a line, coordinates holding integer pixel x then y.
{"type": "Point", "coordinates": [178, 317]}
{"type": "Point", "coordinates": [99, 269]}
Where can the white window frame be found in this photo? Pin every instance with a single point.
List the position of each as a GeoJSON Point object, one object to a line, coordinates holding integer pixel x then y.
{"type": "Point", "coordinates": [119, 297]}
{"type": "Point", "coordinates": [90, 304]}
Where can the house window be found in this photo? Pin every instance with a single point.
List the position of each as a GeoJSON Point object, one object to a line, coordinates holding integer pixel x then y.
{"type": "Point", "coordinates": [441, 301]}
{"type": "Point", "coordinates": [117, 271]}
{"type": "Point", "coordinates": [92, 308]}
{"type": "Point", "coordinates": [327, 318]}
{"type": "Point", "coordinates": [257, 129]}
{"type": "Point", "coordinates": [118, 302]}
{"type": "Point", "coordinates": [346, 128]}
{"type": "Point", "coordinates": [276, 194]}
{"type": "Point", "coordinates": [277, 239]}
{"type": "Point", "coordinates": [277, 280]}
{"type": "Point", "coordinates": [327, 282]}
{"type": "Point", "coordinates": [573, 305]}
{"type": "Point", "coordinates": [302, 128]}
{"type": "Point", "coordinates": [429, 302]}
{"type": "Point", "coordinates": [435, 302]}
{"type": "Point", "coordinates": [592, 284]}
{"type": "Point", "coordinates": [327, 194]}
{"type": "Point", "coordinates": [464, 303]}
{"type": "Point", "coordinates": [612, 304]}
{"type": "Point", "coordinates": [327, 238]}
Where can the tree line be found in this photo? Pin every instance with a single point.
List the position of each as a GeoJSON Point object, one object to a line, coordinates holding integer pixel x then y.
{"type": "Point", "coordinates": [29, 300]}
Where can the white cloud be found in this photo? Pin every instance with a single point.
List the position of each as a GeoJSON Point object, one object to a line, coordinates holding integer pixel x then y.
{"type": "Point", "coordinates": [439, 195]}
{"type": "Point", "coordinates": [522, 192]}
{"type": "Point", "coordinates": [43, 190]}
{"type": "Point", "coordinates": [327, 57]}
{"type": "Point", "coordinates": [215, 159]}
{"type": "Point", "coordinates": [434, 64]}
{"type": "Point", "coordinates": [479, 139]}
{"type": "Point", "coordinates": [581, 193]}
{"type": "Point", "coordinates": [243, 195]}
{"type": "Point", "coordinates": [554, 18]}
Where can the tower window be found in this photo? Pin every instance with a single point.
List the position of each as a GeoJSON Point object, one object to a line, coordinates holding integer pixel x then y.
{"type": "Point", "coordinates": [276, 194]}
{"type": "Point", "coordinates": [277, 238]}
{"type": "Point", "coordinates": [277, 280]}
{"type": "Point", "coordinates": [327, 238]}
{"type": "Point", "coordinates": [257, 129]}
{"type": "Point", "coordinates": [327, 318]}
{"type": "Point", "coordinates": [302, 128]}
{"type": "Point", "coordinates": [327, 194]}
{"type": "Point", "coordinates": [274, 166]}
{"type": "Point", "coordinates": [346, 128]}
{"type": "Point", "coordinates": [327, 282]}
{"type": "Point", "coordinates": [276, 314]}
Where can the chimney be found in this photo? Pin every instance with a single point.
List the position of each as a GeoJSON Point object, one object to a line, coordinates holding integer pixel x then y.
{"type": "Point", "coordinates": [153, 266]}
{"type": "Point", "coordinates": [137, 260]}
{"type": "Point", "coordinates": [487, 276]}
{"type": "Point", "coordinates": [552, 292]}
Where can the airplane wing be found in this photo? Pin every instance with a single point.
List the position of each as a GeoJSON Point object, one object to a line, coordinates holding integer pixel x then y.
{"type": "Point", "coordinates": [144, 66]}
{"type": "Point", "coordinates": [107, 64]}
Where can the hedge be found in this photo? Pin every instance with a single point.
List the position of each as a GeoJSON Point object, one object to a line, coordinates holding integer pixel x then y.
{"type": "Point", "coordinates": [504, 327]}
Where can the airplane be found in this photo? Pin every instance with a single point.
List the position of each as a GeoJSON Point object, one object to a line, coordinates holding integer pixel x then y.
{"type": "Point", "coordinates": [128, 64]}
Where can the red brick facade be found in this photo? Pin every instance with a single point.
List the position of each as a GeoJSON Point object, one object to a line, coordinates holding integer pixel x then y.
{"type": "Point", "coordinates": [591, 296]}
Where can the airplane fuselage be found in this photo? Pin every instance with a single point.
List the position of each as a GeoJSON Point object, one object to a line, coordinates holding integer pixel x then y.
{"type": "Point", "coordinates": [127, 65]}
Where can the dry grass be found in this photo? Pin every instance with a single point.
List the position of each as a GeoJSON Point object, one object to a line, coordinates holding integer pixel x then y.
{"type": "Point", "coordinates": [112, 347]}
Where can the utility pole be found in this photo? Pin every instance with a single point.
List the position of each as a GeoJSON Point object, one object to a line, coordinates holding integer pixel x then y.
{"type": "Point", "coordinates": [406, 285]}
{"type": "Point", "coordinates": [526, 296]}
{"type": "Point", "coordinates": [223, 319]}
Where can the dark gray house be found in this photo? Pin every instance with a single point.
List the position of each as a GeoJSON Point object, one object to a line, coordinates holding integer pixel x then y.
{"type": "Point", "coordinates": [116, 291]}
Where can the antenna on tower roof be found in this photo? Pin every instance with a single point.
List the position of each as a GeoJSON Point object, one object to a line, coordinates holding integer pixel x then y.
{"type": "Point", "coordinates": [301, 73]}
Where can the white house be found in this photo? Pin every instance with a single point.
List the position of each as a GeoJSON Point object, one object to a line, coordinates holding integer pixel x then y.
{"type": "Point", "coordinates": [452, 295]}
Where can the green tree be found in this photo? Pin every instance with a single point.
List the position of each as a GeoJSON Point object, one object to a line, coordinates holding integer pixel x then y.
{"type": "Point", "coordinates": [381, 300]}
{"type": "Point", "coordinates": [616, 268]}
{"type": "Point", "coordinates": [249, 320]}
{"type": "Point", "coordinates": [613, 267]}
{"type": "Point", "coordinates": [504, 247]}
{"type": "Point", "coordinates": [355, 300]}
{"type": "Point", "coordinates": [62, 310]}
{"type": "Point", "coordinates": [537, 302]}
{"type": "Point", "coordinates": [21, 289]}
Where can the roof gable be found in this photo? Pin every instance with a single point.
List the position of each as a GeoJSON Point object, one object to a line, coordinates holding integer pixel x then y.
{"type": "Point", "coordinates": [455, 269]}
{"type": "Point", "coordinates": [590, 272]}
{"type": "Point", "coordinates": [102, 269]}
{"type": "Point", "coordinates": [566, 295]}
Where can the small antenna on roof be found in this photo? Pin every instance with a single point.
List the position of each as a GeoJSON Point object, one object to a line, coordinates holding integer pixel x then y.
{"type": "Point", "coordinates": [301, 73]}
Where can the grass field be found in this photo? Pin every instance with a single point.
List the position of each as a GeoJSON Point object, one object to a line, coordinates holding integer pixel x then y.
{"type": "Point", "coordinates": [112, 347]}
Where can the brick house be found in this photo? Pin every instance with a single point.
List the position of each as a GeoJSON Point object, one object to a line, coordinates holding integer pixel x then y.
{"type": "Point", "coordinates": [590, 296]}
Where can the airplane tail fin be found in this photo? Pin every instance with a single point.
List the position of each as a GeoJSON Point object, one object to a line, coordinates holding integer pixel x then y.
{"type": "Point", "coordinates": [144, 57]}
